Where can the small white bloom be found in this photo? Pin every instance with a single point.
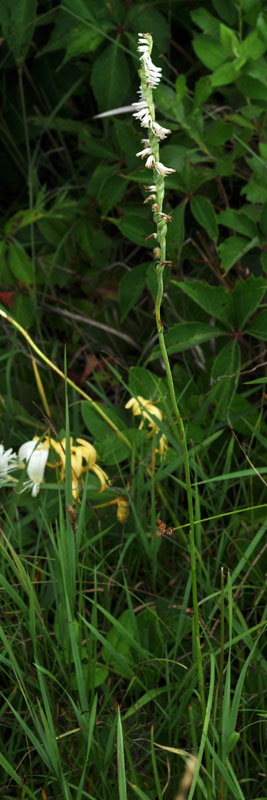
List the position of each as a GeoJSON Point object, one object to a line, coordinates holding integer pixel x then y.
{"type": "Point", "coordinates": [159, 131]}
{"type": "Point", "coordinates": [8, 461]}
{"type": "Point", "coordinates": [150, 162]}
{"type": "Point", "coordinates": [146, 152]}
{"type": "Point", "coordinates": [162, 170]}
{"type": "Point", "coordinates": [36, 456]}
{"type": "Point", "coordinates": [151, 188]}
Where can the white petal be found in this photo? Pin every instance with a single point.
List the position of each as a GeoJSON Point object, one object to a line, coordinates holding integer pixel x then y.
{"type": "Point", "coordinates": [162, 170]}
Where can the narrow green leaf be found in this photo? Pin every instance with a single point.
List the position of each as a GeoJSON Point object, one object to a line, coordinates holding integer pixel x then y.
{"type": "Point", "coordinates": [224, 376]}
{"type": "Point", "coordinates": [205, 215]}
{"type": "Point", "coordinates": [121, 762]}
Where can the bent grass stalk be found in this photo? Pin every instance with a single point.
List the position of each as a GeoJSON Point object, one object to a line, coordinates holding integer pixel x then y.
{"type": "Point", "coordinates": [65, 377]}
{"type": "Point", "coordinates": [145, 112]}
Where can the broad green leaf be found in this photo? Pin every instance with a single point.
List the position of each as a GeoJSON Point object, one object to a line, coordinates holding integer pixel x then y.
{"type": "Point", "coordinates": [131, 287]}
{"type": "Point", "coordinates": [143, 382]}
{"type": "Point", "coordinates": [144, 18]}
{"type": "Point", "coordinates": [225, 74]}
{"type": "Point", "coordinates": [175, 232]}
{"type": "Point", "coordinates": [23, 311]}
{"type": "Point", "coordinates": [205, 215]}
{"type": "Point", "coordinates": [185, 335]}
{"type": "Point", "coordinates": [253, 46]}
{"type": "Point", "coordinates": [136, 228]}
{"type": "Point", "coordinates": [203, 89]}
{"type": "Point", "coordinates": [229, 40]}
{"type": "Point", "coordinates": [244, 299]}
{"type": "Point", "coordinates": [224, 376]}
{"type": "Point", "coordinates": [226, 10]}
{"type": "Point", "coordinates": [213, 299]}
{"type": "Point", "coordinates": [205, 21]}
{"type": "Point", "coordinates": [219, 133]}
{"type": "Point", "coordinates": [82, 40]}
{"type": "Point", "coordinates": [96, 424]}
{"type": "Point", "coordinates": [233, 249]}
{"type": "Point", "coordinates": [111, 450]}
{"type": "Point", "coordinates": [20, 264]}
{"type": "Point", "coordinates": [238, 221]}
{"type": "Point", "coordinates": [111, 192]}
{"type": "Point", "coordinates": [17, 20]}
{"type": "Point", "coordinates": [209, 51]}
{"type": "Point", "coordinates": [258, 326]}
{"type": "Point", "coordinates": [110, 78]}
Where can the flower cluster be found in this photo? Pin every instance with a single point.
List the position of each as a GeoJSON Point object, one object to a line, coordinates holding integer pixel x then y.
{"type": "Point", "coordinates": [144, 109]}
{"type": "Point", "coordinates": [147, 410]}
{"type": "Point", "coordinates": [34, 455]}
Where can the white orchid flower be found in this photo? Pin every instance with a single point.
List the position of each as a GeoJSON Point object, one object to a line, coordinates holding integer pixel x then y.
{"type": "Point", "coordinates": [8, 461]}
{"type": "Point", "coordinates": [162, 170]}
{"type": "Point", "coordinates": [36, 456]}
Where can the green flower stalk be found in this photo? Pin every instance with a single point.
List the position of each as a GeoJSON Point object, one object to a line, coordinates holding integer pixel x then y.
{"type": "Point", "coordinates": [144, 110]}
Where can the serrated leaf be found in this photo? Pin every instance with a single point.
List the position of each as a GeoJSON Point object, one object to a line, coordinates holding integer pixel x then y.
{"type": "Point", "coordinates": [17, 20]}
{"type": "Point", "coordinates": [110, 78]}
{"type": "Point", "coordinates": [258, 326]}
{"type": "Point", "coordinates": [224, 376]}
{"type": "Point", "coordinates": [205, 215]}
{"type": "Point", "coordinates": [233, 249]}
{"type": "Point", "coordinates": [185, 335]}
{"type": "Point", "coordinates": [244, 299]}
{"type": "Point", "coordinates": [20, 264]}
{"type": "Point", "coordinates": [213, 299]}
{"type": "Point", "coordinates": [131, 287]}
{"type": "Point", "coordinates": [239, 222]}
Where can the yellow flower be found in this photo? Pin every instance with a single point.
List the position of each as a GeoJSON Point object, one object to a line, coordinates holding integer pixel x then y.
{"type": "Point", "coordinates": [84, 451]}
{"type": "Point", "coordinates": [145, 408]}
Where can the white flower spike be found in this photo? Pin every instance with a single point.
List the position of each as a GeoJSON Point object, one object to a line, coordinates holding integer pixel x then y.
{"type": "Point", "coordinates": [36, 456]}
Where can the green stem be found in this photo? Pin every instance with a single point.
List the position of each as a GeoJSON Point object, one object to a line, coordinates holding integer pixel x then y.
{"type": "Point", "coordinates": [160, 220]}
